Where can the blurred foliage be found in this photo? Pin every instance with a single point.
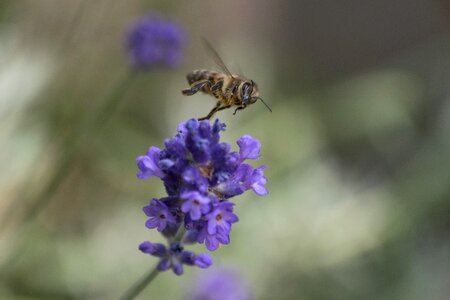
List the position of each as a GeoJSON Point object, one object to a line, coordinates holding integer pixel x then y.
{"type": "Point", "coordinates": [358, 147]}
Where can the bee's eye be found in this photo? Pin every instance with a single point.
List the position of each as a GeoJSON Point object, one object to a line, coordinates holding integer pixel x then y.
{"type": "Point", "coordinates": [246, 91]}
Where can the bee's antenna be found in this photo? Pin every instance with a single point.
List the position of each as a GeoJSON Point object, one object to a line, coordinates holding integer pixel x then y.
{"type": "Point", "coordinates": [264, 103]}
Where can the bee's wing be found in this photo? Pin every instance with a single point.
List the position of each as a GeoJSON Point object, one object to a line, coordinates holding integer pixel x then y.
{"type": "Point", "coordinates": [216, 57]}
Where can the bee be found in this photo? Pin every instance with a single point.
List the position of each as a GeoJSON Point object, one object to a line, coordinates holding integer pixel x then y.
{"type": "Point", "coordinates": [229, 89]}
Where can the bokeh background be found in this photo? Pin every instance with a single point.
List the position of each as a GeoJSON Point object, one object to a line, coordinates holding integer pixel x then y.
{"type": "Point", "coordinates": [358, 146]}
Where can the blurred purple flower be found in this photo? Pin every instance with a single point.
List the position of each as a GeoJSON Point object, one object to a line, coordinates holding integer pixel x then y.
{"type": "Point", "coordinates": [154, 41]}
{"type": "Point", "coordinates": [219, 284]}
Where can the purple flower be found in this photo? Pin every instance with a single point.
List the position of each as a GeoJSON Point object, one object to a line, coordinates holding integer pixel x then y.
{"type": "Point", "coordinates": [201, 174]}
{"type": "Point", "coordinates": [221, 218]}
{"type": "Point", "coordinates": [203, 260]}
{"type": "Point", "coordinates": [159, 215]}
{"type": "Point", "coordinates": [212, 241]}
{"type": "Point", "coordinates": [158, 250]}
{"type": "Point", "coordinates": [154, 41]}
{"type": "Point", "coordinates": [195, 204]}
{"type": "Point", "coordinates": [193, 180]}
{"type": "Point", "coordinates": [149, 164]}
{"type": "Point", "coordinates": [249, 147]}
{"type": "Point", "coordinates": [256, 181]}
{"type": "Point", "coordinates": [219, 284]}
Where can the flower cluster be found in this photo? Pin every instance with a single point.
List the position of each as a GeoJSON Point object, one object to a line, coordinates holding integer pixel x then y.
{"type": "Point", "coordinates": [200, 175]}
{"type": "Point", "coordinates": [154, 41]}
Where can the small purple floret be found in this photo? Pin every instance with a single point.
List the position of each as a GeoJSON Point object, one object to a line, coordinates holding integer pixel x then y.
{"type": "Point", "coordinates": [256, 181]}
{"type": "Point", "coordinates": [149, 164]}
{"type": "Point", "coordinates": [249, 147]}
{"type": "Point", "coordinates": [221, 218]}
{"type": "Point", "coordinates": [159, 215]}
{"type": "Point", "coordinates": [195, 204]}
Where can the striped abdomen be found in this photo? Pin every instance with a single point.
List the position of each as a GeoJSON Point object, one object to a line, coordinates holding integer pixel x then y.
{"type": "Point", "coordinates": [199, 75]}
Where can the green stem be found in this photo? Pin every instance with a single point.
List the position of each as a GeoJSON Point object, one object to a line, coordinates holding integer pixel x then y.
{"type": "Point", "coordinates": [72, 27]}
{"type": "Point", "coordinates": [180, 234]}
{"type": "Point", "coordinates": [113, 100]}
{"type": "Point", "coordinates": [133, 291]}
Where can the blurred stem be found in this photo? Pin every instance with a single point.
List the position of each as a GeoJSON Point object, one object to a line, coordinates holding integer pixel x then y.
{"type": "Point", "coordinates": [113, 100]}
{"type": "Point", "coordinates": [133, 291]}
{"type": "Point", "coordinates": [92, 123]}
{"type": "Point", "coordinates": [74, 22]}
{"type": "Point", "coordinates": [180, 234]}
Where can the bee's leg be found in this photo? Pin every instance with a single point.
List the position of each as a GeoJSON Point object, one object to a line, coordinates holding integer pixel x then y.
{"type": "Point", "coordinates": [224, 107]}
{"type": "Point", "coordinates": [216, 89]}
{"type": "Point", "coordinates": [214, 110]}
{"type": "Point", "coordinates": [211, 113]}
{"type": "Point", "coordinates": [195, 87]}
{"type": "Point", "coordinates": [239, 108]}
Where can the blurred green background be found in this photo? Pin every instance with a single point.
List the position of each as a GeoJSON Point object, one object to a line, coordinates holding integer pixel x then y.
{"type": "Point", "coordinates": [358, 146]}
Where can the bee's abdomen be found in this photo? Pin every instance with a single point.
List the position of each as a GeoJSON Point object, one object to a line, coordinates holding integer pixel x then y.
{"type": "Point", "coordinates": [198, 75]}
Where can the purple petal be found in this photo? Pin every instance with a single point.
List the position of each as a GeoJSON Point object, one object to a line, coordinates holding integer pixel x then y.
{"type": "Point", "coordinates": [217, 127]}
{"type": "Point", "coordinates": [188, 258]}
{"type": "Point", "coordinates": [196, 213]}
{"type": "Point", "coordinates": [204, 129]}
{"type": "Point", "coordinates": [259, 190]}
{"type": "Point", "coordinates": [223, 238]}
{"type": "Point", "coordinates": [211, 243]}
{"type": "Point", "coordinates": [177, 268]}
{"type": "Point", "coordinates": [186, 206]}
{"type": "Point", "coordinates": [164, 264]}
{"type": "Point", "coordinates": [203, 260]}
{"type": "Point", "coordinates": [212, 224]}
{"type": "Point", "coordinates": [146, 247]}
{"type": "Point", "coordinates": [147, 210]}
{"type": "Point", "coordinates": [232, 218]}
{"type": "Point", "coordinates": [152, 223]}
{"type": "Point", "coordinates": [158, 250]}
{"type": "Point", "coordinates": [161, 225]}
{"type": "Point", "coordinates": [249, 147]}
{"type": "Point", "coordinates": [225, 226]}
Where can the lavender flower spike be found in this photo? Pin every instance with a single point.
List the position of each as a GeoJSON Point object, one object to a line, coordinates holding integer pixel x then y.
{"type": "Point", "coordinates": [201, 175]}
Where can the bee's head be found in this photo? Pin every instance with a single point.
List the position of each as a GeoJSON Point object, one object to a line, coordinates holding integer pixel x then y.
{"type": "Point", "coordinates": [250, 93]}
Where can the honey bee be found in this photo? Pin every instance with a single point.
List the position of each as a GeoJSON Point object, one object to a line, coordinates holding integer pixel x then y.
{"type": "Point", "coordinates": [229, 89]}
